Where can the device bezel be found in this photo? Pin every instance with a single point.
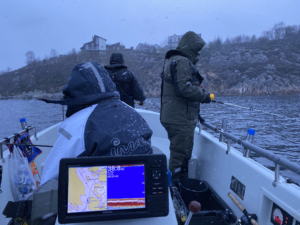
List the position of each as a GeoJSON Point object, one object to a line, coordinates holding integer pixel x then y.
{"type": "Point", "coordinates": [66, 163]}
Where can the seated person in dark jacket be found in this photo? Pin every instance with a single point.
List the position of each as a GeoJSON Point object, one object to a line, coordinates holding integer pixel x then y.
{"type": "Point", "coordinates": [127, 84]}
{"type": "Point", "coordinates": [98, 123]}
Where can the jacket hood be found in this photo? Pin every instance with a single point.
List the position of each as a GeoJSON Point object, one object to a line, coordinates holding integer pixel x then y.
{"type": "Point", "coordinates": [190, 44]}
{"type": "Point", "coordinates": [116, 58]}
{"type": "Point", "coordinates": [116, 61]}
{"type": "Point", "coordinates": [88, 84]}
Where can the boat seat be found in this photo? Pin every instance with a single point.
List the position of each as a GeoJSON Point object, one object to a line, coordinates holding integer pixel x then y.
{"type": "Point", "coordinates": [156, 150]}
{"type": "Point", "coordinates": [161, 146]}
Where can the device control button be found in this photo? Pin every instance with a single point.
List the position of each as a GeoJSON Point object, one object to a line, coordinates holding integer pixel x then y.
{"type": "Point", "coordinates": [159, 160]}
{"type": "Point", "coordinates": [157, 183]}
{"type": "Point", "coordinates": [160, 188]}
{"type": "Point", "coordinates": [156, 166]}
{"type": "Point", "coordinates": [156, 174]}
{"type": "Point", "coordinates": [154, 188]}
{"type": "Point", "coordinates": [154, 193]}
{"type": "Point", "coordinates": [160, 192]}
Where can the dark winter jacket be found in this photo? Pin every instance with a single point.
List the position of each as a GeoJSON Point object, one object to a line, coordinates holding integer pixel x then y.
{"type": "Point", "coordinates": [99, 124]}
{"type": "Point", "coordinates": [127, 83]}
{"type": "Point", "coordinates": [181, 84]}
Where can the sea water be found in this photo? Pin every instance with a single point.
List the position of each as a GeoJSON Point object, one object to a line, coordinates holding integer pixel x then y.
{"type": "Point", "coordinates": [276, 134]}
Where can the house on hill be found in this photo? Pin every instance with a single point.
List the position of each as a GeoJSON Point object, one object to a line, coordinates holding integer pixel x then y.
{"type": "Point", "coordinates": [174, 40]}
{"type": "Point", "coordinates": [117, 46]}
{"type": "Point", "coordinates": [97, 44]}
{"type": "Point", "coordinates": [147, 47]}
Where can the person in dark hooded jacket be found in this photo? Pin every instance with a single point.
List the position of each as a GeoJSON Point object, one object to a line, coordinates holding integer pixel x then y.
{"type": "Point", "coordinates": [98, 123]}
{"type": "Point", "coordinates": [181, 96]}
{"type": "Point", "coordinates": [127, 83]}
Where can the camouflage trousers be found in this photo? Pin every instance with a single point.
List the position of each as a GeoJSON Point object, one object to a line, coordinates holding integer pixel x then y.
{"type": "Point", "coordinates": [181, 147]}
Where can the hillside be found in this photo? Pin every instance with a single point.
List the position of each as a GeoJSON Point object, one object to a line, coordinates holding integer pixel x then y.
{"type": "Point", "coordinates": [253, 69]}
{"type": "Point", "coordinates": [269, 64]}
{"type": "Point", "coordinates": [46, 78]}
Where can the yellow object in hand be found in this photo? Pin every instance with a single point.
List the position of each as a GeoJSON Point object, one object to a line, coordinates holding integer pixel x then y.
{"type": "Point", "coordinates": [212, 96]}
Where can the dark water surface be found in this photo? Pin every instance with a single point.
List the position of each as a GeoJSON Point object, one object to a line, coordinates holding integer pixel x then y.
{"type": "Point", "coordinates": [278, 135]}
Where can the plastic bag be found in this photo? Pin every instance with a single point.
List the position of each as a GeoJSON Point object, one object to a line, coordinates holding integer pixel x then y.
{"type": "Point", "coordinates": [22, 181]}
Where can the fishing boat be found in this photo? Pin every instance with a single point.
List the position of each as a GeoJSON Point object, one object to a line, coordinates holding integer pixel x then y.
{"type": "Point", "coordinates": [231, 176]}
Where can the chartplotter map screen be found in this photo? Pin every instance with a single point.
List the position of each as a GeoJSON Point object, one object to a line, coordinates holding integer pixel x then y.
{"type": "Point", "coordinates": [100, 188]}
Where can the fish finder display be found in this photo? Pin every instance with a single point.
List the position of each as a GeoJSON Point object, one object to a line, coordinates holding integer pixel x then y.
{"type": "Point", "coordinates": [100, 188]}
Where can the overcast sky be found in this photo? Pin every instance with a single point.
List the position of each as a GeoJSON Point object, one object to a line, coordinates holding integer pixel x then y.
{"type": "Point", "coordinates": [40, 25]}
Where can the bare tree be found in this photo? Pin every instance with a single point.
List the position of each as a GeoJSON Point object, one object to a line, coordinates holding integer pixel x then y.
{"type": "Point", "coordinates": [164, 42]}
{"type": "Point", "coordinates": [246, 38]}
{"type": "Point", "coordinates": [30, 57]}
{"type": "Point", "coordinates": [227, 41]}
{"type": "Point", "coordinates": [38, 59]}
{"type": "Point", "coordinates": [8, 69]}
{"type": "Point", "coordinates": [218, 42]}
{"type": "Point", "coordinates": [53, 53]}
{"type": "Point", "coordinates": [253, 39]}
{"type": "Point", "coordinates": [72, 52]}
{"type": "Point", "coordinates": [237, 39]}
{"type": "Point", "coordinates": [278, 30]}
{"type": "Point", "coordinates": [268, 35]}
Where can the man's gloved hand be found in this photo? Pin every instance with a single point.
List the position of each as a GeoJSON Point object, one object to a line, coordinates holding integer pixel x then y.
{"type": "Point", "coordinates": [207, 99]}
{"type": "Point", "coordinates": [141, 103]}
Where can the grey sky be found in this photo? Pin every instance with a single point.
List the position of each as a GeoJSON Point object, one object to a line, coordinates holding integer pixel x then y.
{"type": "Point", "coordinates": [66, 24]}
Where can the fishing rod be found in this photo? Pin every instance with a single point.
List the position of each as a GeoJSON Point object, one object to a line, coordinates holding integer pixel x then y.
{"type": "Point", "coordinates": [153, 104]}
{"type": "Point", "coordinates": [28, 145]}
{"type": "Point", "coordinates": [249, 108]}
{"type": "Point", "coordinates": [142, 104]}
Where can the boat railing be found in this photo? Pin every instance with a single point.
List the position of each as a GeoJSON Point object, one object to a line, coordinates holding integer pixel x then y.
{"type": "Point", "coordinates": [6, 140]}
{"type": "Point", "coordinates": [279, 161]}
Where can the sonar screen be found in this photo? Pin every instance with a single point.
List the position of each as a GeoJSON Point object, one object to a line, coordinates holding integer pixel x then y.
{"type": "Point", "coordinates": [110, 187]}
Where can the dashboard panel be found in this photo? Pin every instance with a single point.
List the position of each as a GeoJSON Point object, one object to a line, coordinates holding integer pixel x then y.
{"type": "Point", "coordinates": [280, 217]}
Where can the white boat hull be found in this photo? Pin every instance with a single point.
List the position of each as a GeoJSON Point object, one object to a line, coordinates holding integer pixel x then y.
{"type": "Point", "coordinates": [210, 163]}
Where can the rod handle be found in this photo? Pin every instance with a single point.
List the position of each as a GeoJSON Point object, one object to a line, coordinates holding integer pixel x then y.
{"type": "Point", "coordinates": [253, 222]}
{"type": "Point", "coordinates": [240, 207]}
{"type": "Point", "coordinates": [236, 202]}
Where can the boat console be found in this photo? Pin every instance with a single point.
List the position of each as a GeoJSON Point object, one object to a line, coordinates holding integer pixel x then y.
{"type": "Point", "coordinates": [280, 216]}
{"type": "Point", "coordinates": [112, 188]}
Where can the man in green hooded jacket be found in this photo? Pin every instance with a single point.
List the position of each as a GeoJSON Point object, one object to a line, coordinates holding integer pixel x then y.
{"type": "Point", "coordinates": [181, 96]}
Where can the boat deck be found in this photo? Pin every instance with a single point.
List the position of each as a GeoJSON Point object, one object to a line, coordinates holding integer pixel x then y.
{"type": "Point", "coordinates": [250, 182]}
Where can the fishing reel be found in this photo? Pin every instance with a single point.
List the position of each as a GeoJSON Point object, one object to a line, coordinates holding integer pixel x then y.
{"type": "Point", "coordinates": [245, 221]}
{"type": "Point", "coordinates": [230, 218]}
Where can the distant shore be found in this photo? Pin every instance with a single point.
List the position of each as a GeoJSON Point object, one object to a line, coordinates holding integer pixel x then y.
{"type": "Point", "coordinates": [59, 95]}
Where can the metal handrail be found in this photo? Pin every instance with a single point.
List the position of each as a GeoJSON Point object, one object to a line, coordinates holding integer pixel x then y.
{"type": "Point", "coordinates": [260, 151]}
{"type": "Point", "coordinates": [7, 139]}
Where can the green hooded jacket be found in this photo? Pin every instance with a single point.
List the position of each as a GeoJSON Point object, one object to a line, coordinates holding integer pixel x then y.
{"type": "Point", "coordinates": [181, 84]}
